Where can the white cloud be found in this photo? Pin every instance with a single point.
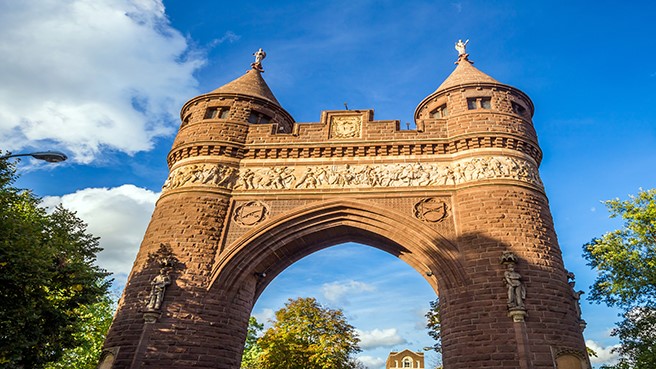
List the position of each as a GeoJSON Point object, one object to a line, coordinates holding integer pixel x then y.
{"type": "Point", "coordinates": [371, 362]}
{"type": "Point", "coordinates": [266, 316]}
{"type": "Point", "coordinates": [379, 338]}
{"type": "Point", "coordinates": [338, 292]}
{"type": "Point", "coordinates": [84, 76]}
{"type": "Point", "coordinates": [119, 216]}
{"type": "Point", "coordinates": [604, 354]}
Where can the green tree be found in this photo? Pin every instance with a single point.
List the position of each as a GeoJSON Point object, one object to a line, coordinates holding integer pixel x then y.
{"type": "Point", "coordinates": [625, 260]}
{"type": "Point", "coordinates": [95, 320]}
{"type": "Point", "coordinates": [252, 349]}
{"type": "Point", "coordinates": [434, 325]}
{"type": "Point", "coordinates": [306, 335]}
{"type": "Point", "coordinates": [47, 277]}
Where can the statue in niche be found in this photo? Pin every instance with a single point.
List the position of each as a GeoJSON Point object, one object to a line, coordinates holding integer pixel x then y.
{"type": "Point", "coordinates": [516, 289]}
{"type": "Point", "coordinates": [513, 281]}
{"type": "Point", "coordinates": [157, 289]}
{"type": "Point", "coordinates": [576, 295]}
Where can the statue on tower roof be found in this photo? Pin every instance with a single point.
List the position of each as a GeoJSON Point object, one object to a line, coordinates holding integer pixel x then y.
{"type": "Point", "coordinates": [461, 47]}
{"type": "Point", "coordinates": [259, 56]}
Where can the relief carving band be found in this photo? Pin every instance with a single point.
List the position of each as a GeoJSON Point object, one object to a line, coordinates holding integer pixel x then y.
{"type": "Point", "coordinates": [430, 210]}
{"type": "Point", "coordinates": [201, 174]}
{"type": "Point", "coordinates": [251, 213]}
{"type": "Point", "coordinates": [354, 176]}
{"type": "Point", "coordinates": [345, 126]}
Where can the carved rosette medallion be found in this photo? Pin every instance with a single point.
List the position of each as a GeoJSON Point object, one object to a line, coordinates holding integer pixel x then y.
{"type": "Point", "coordinates": [251, 213]}
{"type": "Point", "coordinates": [345, 126]}
{"type": "Point", "coordinates": [430, 210]}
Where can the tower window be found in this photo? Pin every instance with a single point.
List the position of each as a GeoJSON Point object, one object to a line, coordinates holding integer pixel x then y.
{"type": "Point", "coordinates": [186, 120]}
{"type": "Point", "coordinates": [258, 118]}
{"type": "Point", "coordinates": [518, 109]}
{"type": "Point", "coordinates": [479, 103]}
{"type": "Point", "coordinates": [440, 112]}
{"type": "Point", "coordinates": [216, 113]}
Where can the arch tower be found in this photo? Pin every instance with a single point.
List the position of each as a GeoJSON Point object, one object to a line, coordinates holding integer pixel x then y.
{"type": "Point", "coordinates": [250, 192]}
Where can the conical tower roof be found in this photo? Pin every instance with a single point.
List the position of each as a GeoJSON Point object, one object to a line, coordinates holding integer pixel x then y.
{"type": "Point", "coordinates": [251, 84]}
{"type": "Point", "coordinates": [465, 73]}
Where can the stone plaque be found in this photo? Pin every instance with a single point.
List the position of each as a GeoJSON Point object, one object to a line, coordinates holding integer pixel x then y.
{"type": "Point", "coordinates": [430, 210]}
{"type": "Point", "coordinates": [346, 126]}
{"type": "Point", "coordinates": [251, 213]}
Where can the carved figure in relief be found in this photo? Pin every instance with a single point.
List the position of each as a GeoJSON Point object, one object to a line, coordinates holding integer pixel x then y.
{"type": "Point", "coordinates": [516, 289]}
{"type": "Point", "coordinates": [449, 176]}
{"type": "Point", "coordinates": [308, 180]}
{"type": "Point", "coordinates": [157, 289]}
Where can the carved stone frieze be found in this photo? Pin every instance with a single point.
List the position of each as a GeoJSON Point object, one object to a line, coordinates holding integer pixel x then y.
{"type": "Point", "coordinates": [251, 213]}
{"type": "Point", "coordinates": [354, 176]}
{"type": "Point", "coordinates": [201, 174]}
{"type": "Point", "coordinates": [345, 126]}
{"type": "Point", "coordinates": [387, 175]}
{"type": "Point", "coordinates": [430, 210]}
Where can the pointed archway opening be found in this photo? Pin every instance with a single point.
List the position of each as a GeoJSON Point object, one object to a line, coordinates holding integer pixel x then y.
{"type": "Point", "coordinates": [383, 297]}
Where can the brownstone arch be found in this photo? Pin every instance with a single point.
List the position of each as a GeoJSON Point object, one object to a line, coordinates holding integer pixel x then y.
{"type": "Point", "coordinates": [270, 249]}
{"type": "Point", "coordinates": [251, 191]}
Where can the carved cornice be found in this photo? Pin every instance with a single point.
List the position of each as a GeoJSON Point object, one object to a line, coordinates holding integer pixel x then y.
{"type": "Point", "coordinates": [357, 149]}
{"type": "Point", "coordinates": [347, 176]}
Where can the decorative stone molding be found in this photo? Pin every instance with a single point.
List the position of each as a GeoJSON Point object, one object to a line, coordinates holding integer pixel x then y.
{"type": "Point", "coordinates": [346, 126]}
{"type": "Point", "coordinates": [251, 213]}
{"type": "Point", "coordinates": [431, 210]}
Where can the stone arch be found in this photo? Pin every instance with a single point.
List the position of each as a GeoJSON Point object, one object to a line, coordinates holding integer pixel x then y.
{"type": "Point", "coordinates": [287, 238]}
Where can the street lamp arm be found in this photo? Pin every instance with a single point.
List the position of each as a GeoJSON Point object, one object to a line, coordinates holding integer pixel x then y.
{"type": "Point", "coordinates": [49, 156]}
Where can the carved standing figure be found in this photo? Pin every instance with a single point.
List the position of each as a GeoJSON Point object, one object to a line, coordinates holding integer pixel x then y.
{"type": "Point", "coordinates": [576, 295]}
{"type": "Point", "coordinates": [157, 289]}
{"type": "Point", "coordinates": [259, 56]}
{"type": "Point", "coordinates": [516, 289]}
{"type": "Point", "coordinates": [461, 47]}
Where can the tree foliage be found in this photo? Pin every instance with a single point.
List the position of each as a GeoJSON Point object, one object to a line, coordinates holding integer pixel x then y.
{"type": "Point", "coordinates": [434, 325]}
{"type": "Point", "coordinates": [625, 260]}
{"type": "Point", "coordinates": [252, 349]}
{"type": "Point", "coordinates": [47, 277]}
{"type": "Point", "coordinates": [637, 333]}
{"type": "Point", "coordinates": [95, 320]}
{"type": "Point", "coordinates": [306, 335]}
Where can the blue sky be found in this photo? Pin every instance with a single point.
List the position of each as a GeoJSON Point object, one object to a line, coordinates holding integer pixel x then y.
{"type": "Point", "coordinates": [103, 81]}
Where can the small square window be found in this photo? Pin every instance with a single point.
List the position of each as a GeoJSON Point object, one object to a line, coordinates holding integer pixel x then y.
{"type": "Point", "coordinates": [486, 103]}
{"type": "Point", "coordinates": [211, 113]}
{"type": "Point", "coordinates": [472, 103]}
{"type": "Point", "coordinates": [440, 112]}
{"type": "Point", "coordinates": [224, 114]}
